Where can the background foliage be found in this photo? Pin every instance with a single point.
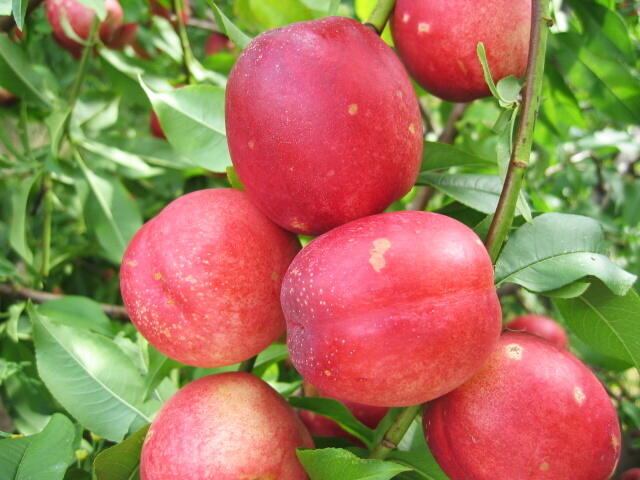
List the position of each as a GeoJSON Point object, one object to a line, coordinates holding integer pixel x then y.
{"type": "Point", "coordinates": [79, 177]}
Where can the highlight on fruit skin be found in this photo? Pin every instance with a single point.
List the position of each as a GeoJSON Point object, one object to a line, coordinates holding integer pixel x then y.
{"type": "Point", "coordinates": [80, 18]}
{"type": "Point", "coordinates": [323, 124]}
{"type": "Point", "coordinates": [201, 281]}
{"type": "Point", "coordinates": [541, 326]}
{"type": "Point", "coordinates": [437, 42]}
{"type": "Point", "coordinates": [532, 411]}
{"type": "Point", "coordinates": [225, 427]}
{"type": "Point", "coordinates": [392, 309]}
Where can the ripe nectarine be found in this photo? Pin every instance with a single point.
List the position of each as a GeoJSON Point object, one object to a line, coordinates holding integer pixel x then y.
{"type": "Point", "coordinates": [541, 326]}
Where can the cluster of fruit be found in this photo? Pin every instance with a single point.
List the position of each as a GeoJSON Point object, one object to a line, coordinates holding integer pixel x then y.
{"type": "Point", "coordinates": [391, 309]}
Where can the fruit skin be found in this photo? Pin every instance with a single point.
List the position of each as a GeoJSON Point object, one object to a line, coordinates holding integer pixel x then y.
{"type": "Point", "coordinates": [533, 411]}
{"type": "Point", "coordinates": [217, 42]}
{"type": "Point", "coordinates": [201, 281]}
{"type": "Point", "coordinates": [323, 124]}
{"type": "Point", "coordinates": [541, 326]}
{"type": "Point", "coordinates": [225, 427]}
{"type": "Point", "coordinates": [391, 310]}
{"type": "Point", "coordinates": [320, 426]}
{"type": "Point", "coordinates": [437, 42]}
{"type": "Point", "coordinates": [80, 19]}
{"type": "Point", "coordinates": [633, 474]}
{"type": "Point", "coordinates": [156, 128]}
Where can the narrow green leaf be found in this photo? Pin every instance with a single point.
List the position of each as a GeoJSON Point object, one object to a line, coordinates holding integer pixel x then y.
{"type": "Point", "coordinates": [486, 70]}
{"type": "Point", "coordinates": [334, 463]}
{"type": "Point", "coordinates": [17, 229]}
{"type": "Point", "coordinates": [556, 250]}
{"type": "Point", "coordinates": [90, 377]}
{"type": "Point", "coordinates": [132, 165]}
{"type": "Point", "coordinates": [43, 456]}
{"type": "Point", "coordinates": [334, 410]}
{"type": "Point", "coordinates": [442, 155]}
{"type": "Point", "coordinates": [236, 35]}
{"type": "Point", "coordinates": [19, 12]}
{"type": "Point", "coordinates": [78, 312]}
{"type": "Point", "coordinates": [193, 121]}
{"type": "Point", "coordinates": [122, 461]}
{"type": "Point", "coordinates": [608, 323]}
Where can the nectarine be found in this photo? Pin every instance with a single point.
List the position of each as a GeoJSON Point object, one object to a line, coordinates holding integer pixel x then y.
{"type": "Point", "coordinates": [393, 309]}
{"type": "Point", "coordinates": [80, 19]}
{"type": "Point", "coordinates": [201, 281]}
{"type": "Point", "coordinates": [541, 326]}
{"type": "Point", "coordinates": [533, 411]}
{"type": "Point", "coordinates": [228, 426]}
{"type": "Point", "coordinates": [437, 42]}
{"type": "Point", "coordinates": [633, 474]}
{"type": "Point", "coordinates": [323, 124]}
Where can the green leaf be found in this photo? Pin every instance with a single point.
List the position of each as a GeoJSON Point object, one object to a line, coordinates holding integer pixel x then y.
{"type": "Point", "coordinates": [334, 410]}
{"type": "Point", "coordinates": [480, 192]}
{"type": "Point", "coordinates": [43, 456]}
{"type": "Point", "coordinates": [97, 6]}
{"type": "Point", "coordinates": [131, 165]}
{"type": "Point", "coordinates": [558, 249]}
{"type": "Point", "coordinates": [17, 229]}
{"type": "Point", "coordinates": [78, 312]}
{"type": "Point", "coordinates": [509, 89]}
{"type": "Point", "coordinates": [236, 35]}
{"type": "Point", "coordinates": [333, 463]}
{"type": "Point", "coordinates": [91, 377]}
{"type": "Point", "coordinates": [19, 12]}
{"type": "Point", "coordinates": [442, 155]}
{"type": "Point", "coordinates": [610, 324]}
{"type": "Point", "coordinates": [486, 70]}
{"type": "Point", "coordinates": [113, 216]}
{"type": "Point", "coordinates": [193, 121]}
{"type": "Point", "coordinates": [414, 452]}
{"type": "Point", "coordinates": [159, 366]}
{"type": "Point", "coordinates": [5, 7]}
{"type": "Point", "coordinates": [19, 76]}
{"type": "Point", "coordinates": [122, 461]}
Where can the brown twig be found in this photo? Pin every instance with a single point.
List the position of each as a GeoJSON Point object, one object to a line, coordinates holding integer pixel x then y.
{"type": "Point", "coordinates": [15, 291]}
{"type": "Point", "coordinates": [448, 135]}
{"type": "Point", "coordinates": [7, 22]}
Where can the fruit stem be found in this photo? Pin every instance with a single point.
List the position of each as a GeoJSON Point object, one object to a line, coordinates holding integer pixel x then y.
{"type": "Point", "coordinates": [381, 12]}
{"type": "Point", "coordinates": [395, 432]}
{"type": "Point", "coordinates": [505, 211]}
{"type": "Point", "coordinates": [187, 55]}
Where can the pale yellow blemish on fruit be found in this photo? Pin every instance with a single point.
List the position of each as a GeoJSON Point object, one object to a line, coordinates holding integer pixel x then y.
{"type": "Point", "coordinates": [170, 301]}
{"type": "Point", "coordinates": [353, 109]}
{"type": "Point", "coordinates": [132, 263]}
{"type": "Point", "coordinates": [327, 373]}
{"type": "Point", "coordinates": [376, 258]}
{"type": "Point", "coordinates": [579, 395]}
{"type": "Point", "coordinates": [544, 466]}
{"type": "Point", "coordinates": [400, 94]}
{"type": "Point", "coordinates": [424, 27]}
{"type": "Point", "coordinates": [157, 275]}
{"type": "Point", "coordinates": [190, 279]}
{"type": "Point", "coordinates": [615, 443]}
{"type": "Point", "coordinates": [298, 225]}
{"type": "Point", "coordinates": [514, 351]}
{"type": "Point", "coordinates": [251, 144]}
{"type": "Point", "coordinates": [406, 17]}
{"type": "Point", "coordinates": [462, 66]}
{"type": "Point", "coordinates": [412, 128]}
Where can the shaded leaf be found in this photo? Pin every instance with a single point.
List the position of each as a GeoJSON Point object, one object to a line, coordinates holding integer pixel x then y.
{"type": "Point", "coordinates": [333, 463]}
{"type": "Point", "coordinates": [442, 155]}
{"type": "Point", "coordinates": [78, 312]}
{"type": "Point", "coordinates": [122, 461]}
{"type": "Point", "coordinates": [17, 228]}
{"type": "Point", "coordinates": [236, 35]}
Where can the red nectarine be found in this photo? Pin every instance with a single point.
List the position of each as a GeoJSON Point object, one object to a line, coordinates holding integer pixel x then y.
{"type": "Point", "coordinates": [217, 42]}
{"type": "Point", "coordinates": [391, 310]}
{"type": "Point", "coordinates": [201, 281]}
{"type": "Point", "coordinates": [437, 42]}
{"type": "Point", "coordinates": [633, 474]}
{"type": "Point", "coordinates": [533, 411]}
{"type": "Point", "coordinates": [228, 426]}
{"type": "Point", "coordinates": [541, 326]}
{"type": "Point", "coordinates": [80, 19]}
{"type": "Point", "coordinates": [323, 124]}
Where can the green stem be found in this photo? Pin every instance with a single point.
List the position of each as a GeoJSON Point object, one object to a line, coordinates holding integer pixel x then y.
{"type": "Point", "coordinates": [247, 365]}
{"type": "Point", "coordinates": [84, 63]}
{"type": "Point", "coordinates": [514, 179]}
{"type": "Point", "coordinates": [381, 12]}
{"type": "Point", "coordinates": [47, 186]}
{"type": "Point", "coordinates": [24, 132]}
{"type": "Point", "coordinates": [395, 432]}
{"type": "Point", "coordinates": [187, 54]}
